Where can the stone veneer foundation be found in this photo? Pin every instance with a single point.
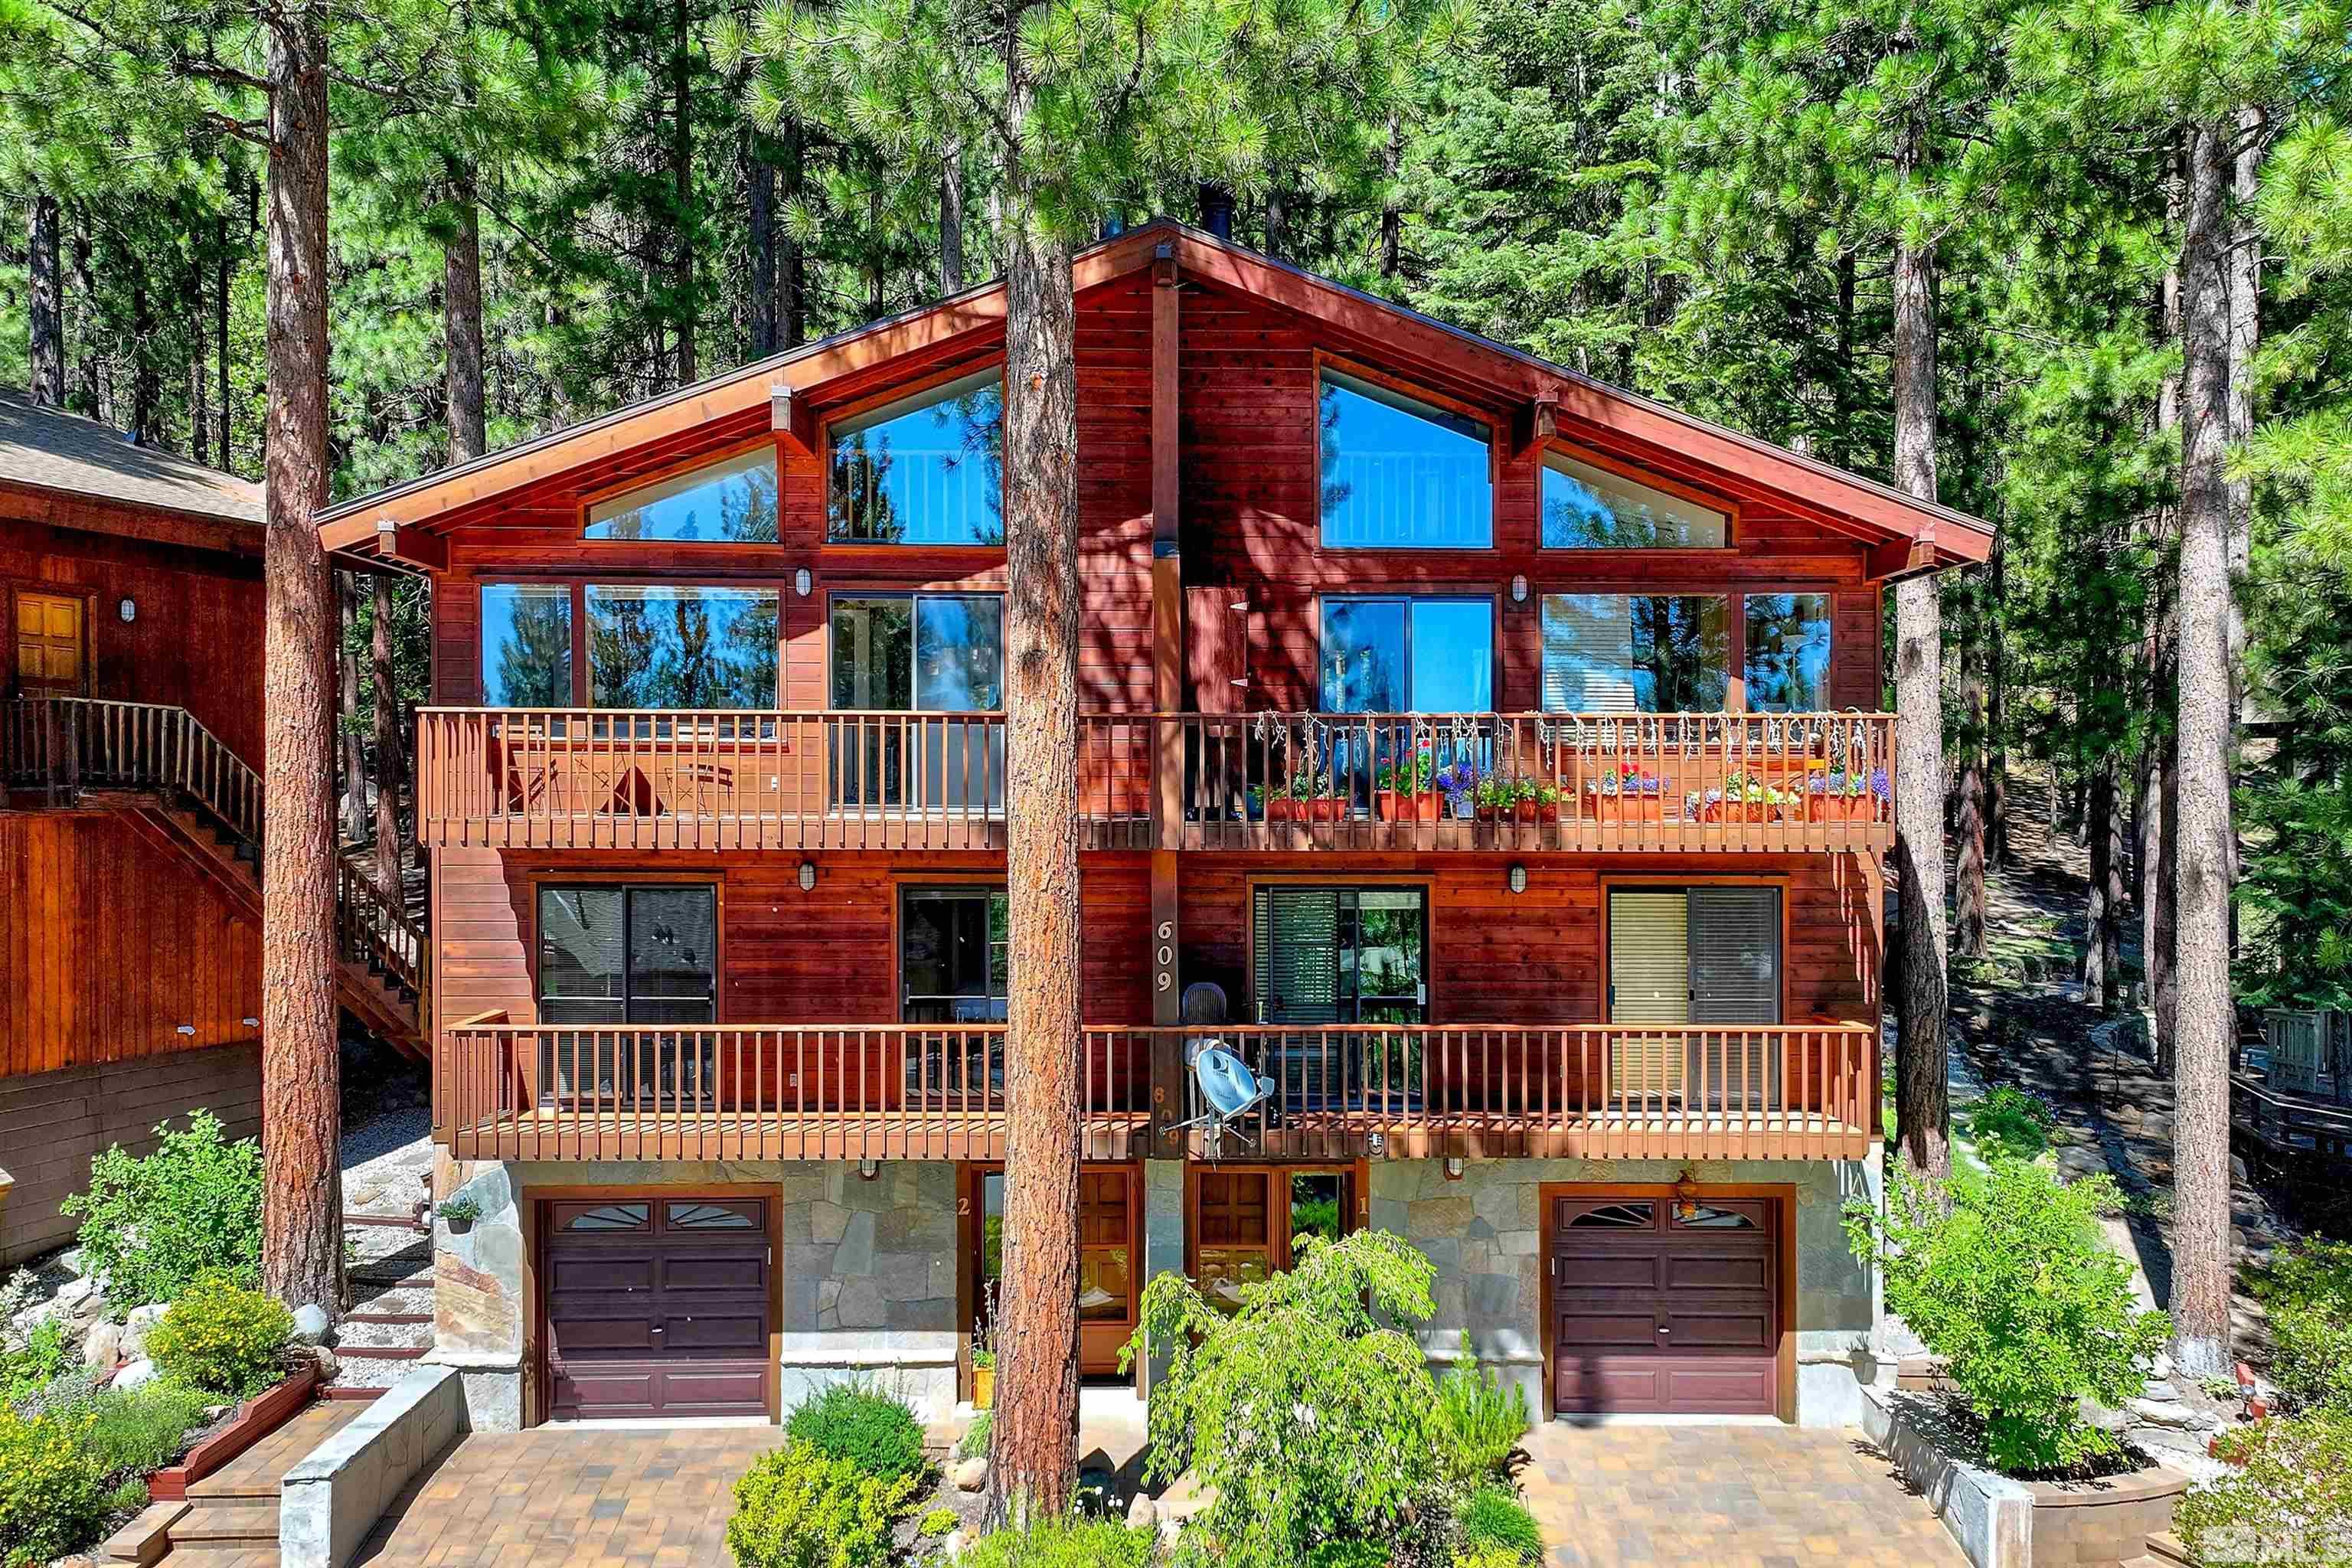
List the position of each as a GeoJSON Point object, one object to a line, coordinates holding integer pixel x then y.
{"type": "Point", "coordinates": [1484, 1231]}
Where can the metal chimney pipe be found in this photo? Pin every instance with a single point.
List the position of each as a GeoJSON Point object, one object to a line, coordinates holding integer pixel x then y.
{"type": "Point", "coordinates": [1217, 211]}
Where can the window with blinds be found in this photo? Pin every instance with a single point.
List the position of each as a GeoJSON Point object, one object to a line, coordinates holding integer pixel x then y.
{"type": "Point", "coordinates": [1639, 653]}
{"type": "Point", "coordinates": [1684, 958]}
{"type": "Point", "coordinates": [1340, 955]}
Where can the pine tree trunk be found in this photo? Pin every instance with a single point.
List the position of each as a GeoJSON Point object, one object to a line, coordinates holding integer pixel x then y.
{"type": "Point", "coordinates": [220, 340]}
{"type": "Point", "coordinates": [1392, 201]}
{"type": "Point", "coordinates": [1277, 224]}
{"type": "Point", "coordinates": [2200, 1237]}
{"type": "Point", "coordinates": [461, 321]}
{"type": "Point", "coordinates": [144, 388]}
{"type": "Point", "coordinates": [302, 1218]}
{"type": "Point", "coordinates": [390, 766]}
{"type": "Point", "coordinates": [1968, 896]}
{"type": "Point", "coordinates": [197, 430]}
{"type": "Point", "coordinates": [1033, 1453]}
{"type": "Point", "coordinates": [1923, 1110]}
{"type": "Point", "coordinates": [2161, 878]}
{"type": "Point", "coordinates": [792, 284]}
{"type": "Point", "coordinates": [45, 307]}
{"type": "Point", "coordinates": [952, 221]}
{"type": "Point", "coordinates": [2100, 958]}
{"type": "Point", "coordinates": [97, 396]}
{"type": "Point", "coordinates": [759, 200]}
{"type": "Point", "coordinates": [682, 179]}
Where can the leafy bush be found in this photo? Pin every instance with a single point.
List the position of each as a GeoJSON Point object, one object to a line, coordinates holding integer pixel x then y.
{"type": "Point", "coordinates": [974, 1442]}
{"type": "Point", "coordinates": [140, 1430]}
{"type": "Point", "coordinates": [799, 1508]}
{"type": "Point", "coordinates": [1494, 1522]}
{"type": "Point", "coordinates": [2010, 1124]}
{"type": "Point", "coordinates": [53, 1495]}
{"type": "Point", "coordinates": [1064, 1544]}
{"type": "Point", "coordinates": [33, 1366]}
{"type": "Point", "coordinates": [1489, 1556]}
{"type": "Point", "coordinates": [1350, 1554]}
{"type": "Point", "coordinates": [2016, 1290]}
{"type": "Point", "coordinates": [2287, 1498]}
{"type": "Point", "coordinates": [878, 1434]}
{"type": "Point", "coordinates": [150, 1227]}
{"type": "Point", "coordinates": [221, 1336]}
{"type": "Point", "coordinates": [2307, 1291]}
{"type": "Point", "coordinates": [938, 1522]}
{"type": "Point", "coordinates": [1305, 1410]}
{"type": "Point", "coordinates": [1478, 1421]}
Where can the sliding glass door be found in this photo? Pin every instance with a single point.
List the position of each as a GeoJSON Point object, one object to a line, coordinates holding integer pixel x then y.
{"type": "Point", "coordinates": [922, 653]}
{"type": "Point", "coordinates": [1684, 959]}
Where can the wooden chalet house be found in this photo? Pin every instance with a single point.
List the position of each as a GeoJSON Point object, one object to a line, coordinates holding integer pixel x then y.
{"type": "Point", "coordinates": [1492, 756]}
{"type": "Point", "coordinates": [131, 733]}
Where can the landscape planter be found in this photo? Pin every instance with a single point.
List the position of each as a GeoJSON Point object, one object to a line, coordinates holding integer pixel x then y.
{"type": "Point", "coordinates": [256, 1418]}
{"type": "Point", "coordinates": [1999, 1522]}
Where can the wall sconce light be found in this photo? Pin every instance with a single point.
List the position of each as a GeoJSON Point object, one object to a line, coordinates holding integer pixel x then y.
{"type": "Point", "coordinates": [869, 1170]}
{"type": "Point", "coordinates": [808, 875]}
{"type": "Point", "coordinates": [252, 1023]}
{"type": "Point", "coordinates": [1518, 878]}
{"type": "Point", "coordinates": [802, 582]}
{"type": "Point", "coordinates": [127, 610]}
{"type": "Point", "coordinates": [1453, 1169]}
{"type": "Point", "coordinates": [1518, 588]}
{"type": "Point", "coordinates": [185, 1029]}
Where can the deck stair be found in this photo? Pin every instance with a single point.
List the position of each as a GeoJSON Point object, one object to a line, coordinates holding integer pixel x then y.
{"type": "Point", "coordinates": [186, 793]}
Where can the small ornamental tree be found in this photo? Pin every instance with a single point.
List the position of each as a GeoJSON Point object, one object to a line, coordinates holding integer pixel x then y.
{"type": "Point", "coordinates": [1304, 1412]}
{"type": "Point", "coordinates": [2015, 1287]}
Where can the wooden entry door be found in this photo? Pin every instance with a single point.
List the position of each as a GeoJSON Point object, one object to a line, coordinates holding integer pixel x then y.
{"type": "Point", "coordinates": [1110, 1262]}
{"type": "Point", "coordinates": [1665, 1305]}
{"type": "Point", "coordinates": [51, 651]}
{"type": "Point", "coordinates": [657, 1306]}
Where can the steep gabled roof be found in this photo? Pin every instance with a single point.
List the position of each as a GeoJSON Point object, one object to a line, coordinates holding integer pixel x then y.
{"type": "Point", "coordinates": [54, 465]}
{"type": "Point", "coordinates": [1910, 532]}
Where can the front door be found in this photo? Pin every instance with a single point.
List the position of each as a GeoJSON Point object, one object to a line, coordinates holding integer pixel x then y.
{"type": "Point", "coordinates": [50, 660]}
{"type": "Point", "coordinates": [1110, 1221]}
{"type": "Point", "coordinates": [656, 1306]}
{"type": "Point", "coordinates": [1665, 1305]}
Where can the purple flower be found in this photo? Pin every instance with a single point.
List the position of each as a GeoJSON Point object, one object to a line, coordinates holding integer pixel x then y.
{"type": "Point", "coordinates": [1879, 784]}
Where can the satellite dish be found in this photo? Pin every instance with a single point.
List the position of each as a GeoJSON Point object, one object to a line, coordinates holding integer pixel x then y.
{"type": "Point", "coordinates": [1228, 1089]}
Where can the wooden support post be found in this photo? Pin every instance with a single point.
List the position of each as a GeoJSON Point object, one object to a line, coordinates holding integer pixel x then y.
{"type": "Point", "coordinates": [1168, 1096]}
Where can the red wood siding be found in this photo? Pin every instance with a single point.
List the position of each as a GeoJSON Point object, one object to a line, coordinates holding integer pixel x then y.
{"type": "Point", "coordinates": [196, 640]}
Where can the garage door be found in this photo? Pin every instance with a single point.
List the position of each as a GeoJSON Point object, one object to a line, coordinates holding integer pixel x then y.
{"type": "Point", "coordinates": [657, 1307]}
{"type": "Point", "coordinates": [1664, 1305]}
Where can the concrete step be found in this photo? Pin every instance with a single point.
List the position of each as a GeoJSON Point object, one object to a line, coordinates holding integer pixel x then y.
{"type": "Point", "coordinates": [2166, 1550]}
{"type": "Point", "coordinates": [216, 1521]}
{"type": "Point", "coordinates": [217, 1556]}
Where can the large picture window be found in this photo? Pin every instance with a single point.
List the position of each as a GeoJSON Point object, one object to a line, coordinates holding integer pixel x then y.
{"type": "Point", "coordinates": [525, 644]}
{"type": "Point", "coordinates": [628, 954]}
{"type": "Point", "coordinates": [1408, 655]}
{"type": "Point", "coordinates": [932, 653]}
{"type": "Point", "coordinates": [732, 501]}
{"type": "Point", "coordinates": [1618, 653]}
{"type": "Point", "coordinates": [1588, 507]}
{"type": "Point", "coordinates": [1401, 474]}
{"type": "Point", "coordinates": [928, 469]}
{"type": "Point", "coordinates": [681, 647]}
{"type": "Point", "coordinates": [1787, 655]}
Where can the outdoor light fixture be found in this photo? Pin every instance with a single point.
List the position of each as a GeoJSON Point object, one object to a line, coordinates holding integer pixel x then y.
{"type": "Point", "coordinates": [1519, 589]}
{"type": "Point", "coordinates": [802, 582]}
{"type": "Point", "coordinates": [1518, 878]}
{"type": "Point", "coordinates": [869, 1170]}
{"type": "Point", "coordinates": [127, 610]}
{"type": "Point", "coordinates": [252, 1023]}
{"type": "Point", "coordinates": [186, 1029]}
{"type": "Point", "coordinates": [808, 875]}
{"type": "Point", "coordinates": [1453, 1169]}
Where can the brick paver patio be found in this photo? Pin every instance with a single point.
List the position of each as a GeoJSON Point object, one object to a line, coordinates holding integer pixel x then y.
{"type": "Point", "coordinates": [568, 1498]}
{"type": "Point", "coordinates": [1726, 1497]}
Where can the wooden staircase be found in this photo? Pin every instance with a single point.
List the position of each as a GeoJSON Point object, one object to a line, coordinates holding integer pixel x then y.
{"type": "Point", "coordinates": [189, 794]}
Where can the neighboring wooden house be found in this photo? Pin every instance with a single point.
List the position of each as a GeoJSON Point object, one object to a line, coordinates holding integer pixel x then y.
{"type": "Point", "coordinates": [131, 728]}
{"type": "Point", "coordinates": [712, 797]}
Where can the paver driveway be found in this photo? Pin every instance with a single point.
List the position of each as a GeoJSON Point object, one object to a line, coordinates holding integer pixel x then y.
{"type": "Point", "coordinates": [567, 1498]}
{"type": "Point", "coordinates": [1726, 1497]}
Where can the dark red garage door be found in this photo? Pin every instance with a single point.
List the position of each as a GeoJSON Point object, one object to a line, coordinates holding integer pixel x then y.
{"type": "Point", "coordinates": [656, 1306]}
{"type": "Point", "coordinates": [1664, 1305]}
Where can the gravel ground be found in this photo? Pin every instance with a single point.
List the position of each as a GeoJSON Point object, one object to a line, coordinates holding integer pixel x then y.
{"type": "Point", "coordinates": [388, 1162]}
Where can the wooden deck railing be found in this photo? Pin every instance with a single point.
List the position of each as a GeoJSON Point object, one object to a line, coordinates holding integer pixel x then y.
{"type": "Point", "coordinates": [560, 778]}
{"type": "Point", "coordinates": [59, 747]}
{"type": "Point", "coordinates": [911, 1091]}
{"type": "Point", "coordinates": [760, 1092]}
{"type": "Point", "coordinates": [1537, 781]}
{"type": "Point", "coordinates": [639, 779]}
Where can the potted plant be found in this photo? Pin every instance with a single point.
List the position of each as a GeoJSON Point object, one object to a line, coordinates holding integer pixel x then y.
{"type": "Point", "coordinates": [1641, 794]}
{"type": "Point", "coordinates": [1882, 803]}
{"type": "Point", "coordinates": [1547, 802]}
{"type": "Point", "coordinates": [1407, 793]}
{"type": "Point", "coordinates": [1458, 783]}
{"type": "Point", "coordinates": [1600, 797]}
{"type": "Point", "coordinates": [983, 1355]}
{"type": "Point", "coordinates": [1492, 797]}
{"type": "Point", "coordinates": [1743, 799]}
{"type": "Point", "coordinates": [1524, 792]}
{"type": "Point", "coordinates": [1328, 804]}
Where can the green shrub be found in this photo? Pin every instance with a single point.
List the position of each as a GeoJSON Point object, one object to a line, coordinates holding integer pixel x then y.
{"type": "Point", "coordinates": [2307, 1291]}
{"type": "Point", "coordinates": [1493, 1521]}
{"type": "Point", "coordinates": [152, 1226]}
{"type": "Point", "coordinates": [1478, 1422]}
{"type": "Point", "coordinates": [799, 1508]}
{"type": "Point", "coordinates": [1064, 1544]}
{"type": "Point", "coordinates": [30, 1367]}
{"type": "Point", "coordinates": [140, 1430]}
{"type": "Point", "coordinates": [53, 1495]}
{"type": "Point", "coordinates": [1307, 1411]}
{"type": "Point", "coordinates": [974, 1444]}
{"type": "Point", "coordinates": [2010, 1124]}
{"type": "Point", "coordinates": [222, 1338]}
{"type": "Point", "coordinates": [938, 1522]}
{"type": "Point", "coordinates": [1489, 1556]}
{"type": "Point", "coordinates": [2287, 1497]}
{"type": "Point", "coordinates": [1350, 1554]}
{"type": "Point", "coordinates": [871, 1430]}
{"type": "Point", "coordinates": [2016, 1288]}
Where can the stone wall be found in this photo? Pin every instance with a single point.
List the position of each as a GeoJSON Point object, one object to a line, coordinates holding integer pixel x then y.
{"type": "Point", "coordinates": [867, 1274]}
{"type": "Point", "coordinates": [1484, 1234]}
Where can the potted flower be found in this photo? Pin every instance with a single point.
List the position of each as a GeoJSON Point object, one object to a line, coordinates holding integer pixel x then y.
{"type": "Point", "coordinates": [1493, 797]}
{"type": "Point", "coordinates": [983, 1362]}
{"type": "Point", "coordinates": [1744, 799]}
{"type": "Point", "coordinates": [1328, 806]}
{"type": "Point", "coordinates": [1407, 793]}
{"type": "Point", "coordinates": [1600, 797]}
{"type": "Point", "coordinates": [1881, 796]}
{"type": "Point", "coordinates": [1702, 807]}
{"type": "Point", "coordinates": [1523, 793]}
{"type": "Point", "coordinates": [1458, 783]}
{"type": "Point", "coordinates": [1547, 802]}
{"type": "Point", "coordinates": [1641, 794]}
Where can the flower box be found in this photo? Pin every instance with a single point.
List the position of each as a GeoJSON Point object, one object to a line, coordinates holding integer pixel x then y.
{"type": "Point", "coordinates": [1397, 806]}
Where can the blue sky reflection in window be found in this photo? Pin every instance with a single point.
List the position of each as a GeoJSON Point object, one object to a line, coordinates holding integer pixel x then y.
{"type": "Point", "coordinates": [732, 501]}
{"type": "Point", "coordinates": [928, 469]}
{"type": "Point", "coordinates": [1402, 475]}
